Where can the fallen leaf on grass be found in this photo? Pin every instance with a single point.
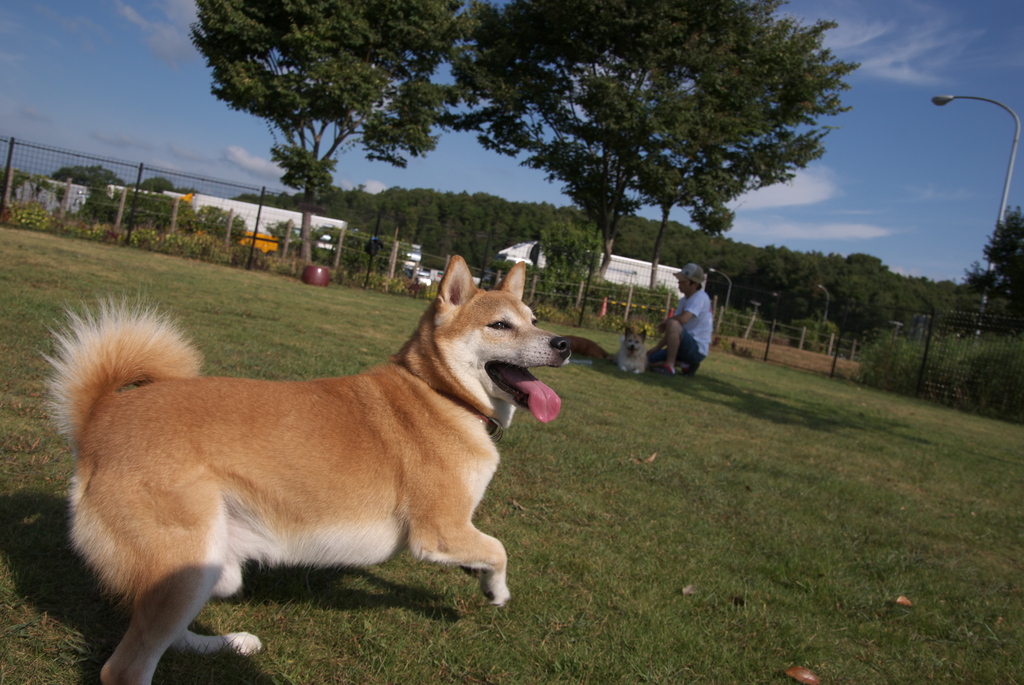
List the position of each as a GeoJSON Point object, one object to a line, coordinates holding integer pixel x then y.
{"type": "Point", "coordinates": [904, 601]}
{"type": "Point", "coordinates": [689, 590]}
{"type": "Point", "coordinates": [648, 460]}
{"type": "Point", "coordinates": [518, 506]}
{"type": "Point", "coordinates": [802, 675]}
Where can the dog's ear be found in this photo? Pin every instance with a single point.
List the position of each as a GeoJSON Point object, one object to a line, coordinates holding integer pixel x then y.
{"type": "Point", "coordinates": [515, 282]}
{"type": "Point", "coordinates": [457, 285]}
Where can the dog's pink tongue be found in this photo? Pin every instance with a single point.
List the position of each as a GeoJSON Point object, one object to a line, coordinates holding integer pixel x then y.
{"type": "Point", "coordinates": [544, 404]}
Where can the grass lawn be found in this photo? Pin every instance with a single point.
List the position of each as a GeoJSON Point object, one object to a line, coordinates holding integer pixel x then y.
{"type": "Point", "coordinates": [718, 529]}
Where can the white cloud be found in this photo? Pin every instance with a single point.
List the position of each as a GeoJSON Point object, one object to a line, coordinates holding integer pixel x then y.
{"type": "Point", "coordinates": [120, 140]}
{"type": "Point", "coordinates": [167, 36]}
{"type": "Point", "coordinates": [33, 114]}
{"type": "Point", "coordinates": [768, 229]}
{"type": "Point", "coordinates": [373, 187]}
{"type": "Point", "coordinates": [257, 166]}
{"type": "Point", "coordinates": [809, 186]}
{"type": "Point", "coordinates": [185, 153]}
{"type": "Point", "coordinates": [903, 41]}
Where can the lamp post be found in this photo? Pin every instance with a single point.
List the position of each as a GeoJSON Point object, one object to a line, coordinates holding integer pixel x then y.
{"type": "Point", "coordinates": [728, 292]}
{"type": "Point", "coordinates": [941, 100]}
{"type": "Point", "coordinates": [827, 298]}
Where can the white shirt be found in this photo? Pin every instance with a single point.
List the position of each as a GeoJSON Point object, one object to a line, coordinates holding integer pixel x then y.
{"type": "Point", "coordinates": [701, 326]}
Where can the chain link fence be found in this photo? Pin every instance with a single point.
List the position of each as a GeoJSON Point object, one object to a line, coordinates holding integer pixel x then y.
{"type": "Point", "coordinates": [966, 360]}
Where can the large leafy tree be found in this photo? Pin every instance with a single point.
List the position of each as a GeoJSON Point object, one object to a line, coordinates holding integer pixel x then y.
{"type": "Point", "coordinates": [658, 102]}
{"type": "Point", "coordinates": [328, 74]}
{"type": "Point", "coordinates": [1005, 253]}
{"type": "Point", "coordinates": [95, 176]}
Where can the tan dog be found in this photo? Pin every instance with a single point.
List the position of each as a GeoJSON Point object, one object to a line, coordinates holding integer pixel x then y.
{"type": "Point", "coordinates": [632, 354]}
{"type": "Point", "coordinates": [587, 347]}
{"type": "Point", "coordinates": [173, 492]}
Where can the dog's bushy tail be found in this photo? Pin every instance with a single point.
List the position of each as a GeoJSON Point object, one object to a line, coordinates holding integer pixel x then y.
{"type": "Point", "coordinates": [97, 354]}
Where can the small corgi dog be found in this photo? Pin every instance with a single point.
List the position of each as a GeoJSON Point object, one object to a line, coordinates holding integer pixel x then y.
{"type": "Point", "coordinates": [632, 354]}
{"type": "Point", "coordinates": [174, 492]}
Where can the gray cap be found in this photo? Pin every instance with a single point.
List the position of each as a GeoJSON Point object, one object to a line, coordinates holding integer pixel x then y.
{"type": "Point", "coordinates": [691, 272]}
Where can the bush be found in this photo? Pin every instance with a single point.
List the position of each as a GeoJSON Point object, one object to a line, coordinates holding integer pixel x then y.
{"type": "Point", "coordinates": [892, 365]}
{"type": "Point", "coordinates": [982, 374]}
{"type": "Point", "coordinates": [31, 215]}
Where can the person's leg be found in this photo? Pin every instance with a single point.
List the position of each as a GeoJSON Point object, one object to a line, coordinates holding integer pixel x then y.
{"type": "Point", "coordinates": [662, 357]}
{"type": "Point", "coordinates": [689, 353]}
{"type": "Point", "coordinates": [673, 332]}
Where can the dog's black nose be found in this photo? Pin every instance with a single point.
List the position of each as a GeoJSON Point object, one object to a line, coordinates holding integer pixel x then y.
{"type": "Point", "coordinates": [563, 345]}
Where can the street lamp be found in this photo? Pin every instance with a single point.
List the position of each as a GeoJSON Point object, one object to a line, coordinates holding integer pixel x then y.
{"type": "Point", "coordinates": [827, 298]}
{"type": "Point", "coordinates": [728, 292]}
{"type": "Point", "coordinates": [941, 100]}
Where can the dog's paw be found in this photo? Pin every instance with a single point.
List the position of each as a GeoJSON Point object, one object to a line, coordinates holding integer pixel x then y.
{"type": "Point", "coordinates": [243, 643]}
{"type": "Point", "coordinates": [498, 596]}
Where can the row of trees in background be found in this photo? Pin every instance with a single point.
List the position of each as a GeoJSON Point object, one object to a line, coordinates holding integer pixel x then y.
{"type": "Point", "coordinates": [477, 226]}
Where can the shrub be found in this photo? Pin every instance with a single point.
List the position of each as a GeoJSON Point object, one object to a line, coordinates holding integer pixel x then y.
{"type": "Point", "coordinates": [892, 365]}
{"type": "Point", "coordinates": [30, 215]}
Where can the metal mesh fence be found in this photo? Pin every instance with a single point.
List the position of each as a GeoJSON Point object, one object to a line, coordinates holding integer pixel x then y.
{"type": "Point", "coordinates": [975, 362]}
{"type": "Point", "coordinates": [125, 195]}
{"type": "Point", "coordinates": [966, 360]}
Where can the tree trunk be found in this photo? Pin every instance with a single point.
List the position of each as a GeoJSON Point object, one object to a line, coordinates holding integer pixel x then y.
{"type": "Point", "coordinates": [306, 253]}
{"type": "Point", "coordinates": [656, 259]}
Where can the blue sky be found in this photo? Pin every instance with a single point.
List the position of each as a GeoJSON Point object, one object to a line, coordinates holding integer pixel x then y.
{"type": "Point", "coordinates": [916, 185]}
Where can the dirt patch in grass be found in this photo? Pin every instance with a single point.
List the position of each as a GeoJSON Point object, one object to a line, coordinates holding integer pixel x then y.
{"type": "Point", "coordinates": [790, 356]}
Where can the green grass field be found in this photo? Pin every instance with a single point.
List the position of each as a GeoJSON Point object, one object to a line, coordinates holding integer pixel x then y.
{"type": "Point", "coordinates": [719, 529]}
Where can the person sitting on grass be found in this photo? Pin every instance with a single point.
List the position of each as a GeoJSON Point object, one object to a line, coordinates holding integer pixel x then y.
{"type": "Point", "coordinates": [687, 333]}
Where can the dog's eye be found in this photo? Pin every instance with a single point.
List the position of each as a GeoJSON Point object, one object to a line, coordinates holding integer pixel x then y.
{"type": "Point", "coordinates": [499, 325]}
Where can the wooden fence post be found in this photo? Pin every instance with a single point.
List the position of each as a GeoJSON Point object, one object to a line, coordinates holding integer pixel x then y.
{"type": "Point", "coordinates": [831, 339]}
{"type": "Point", "coordinates": [227, 229]}
{"type": "Point", "coordinates": [629, 303]}
{"type": "Point", "coordinates": [120, 209]}
{"type": "Point", "coordinates": [8, 178]}
{"type": "Point", "coordinates": [287, 238]}
{"type": "Point", "coordinates": [391, 262]}
{"type": "Point", "coordinates": [174, 215]}
{"type": "Point", "coordinates": [750, 326]}
{"type": "Point", "coordinates": [579, 295]}
{"type": "Point", "coordinates": [803, 334]}
{"type": "Point", "coordinates": [66, 199]}
{"type": "Point", "coordinates": [337, 247]}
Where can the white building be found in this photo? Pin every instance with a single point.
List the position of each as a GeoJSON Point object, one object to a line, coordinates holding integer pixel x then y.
{"type": "Point", "coordinates": [268, 215]}
{"type": "Point", "coordinates": [621, 270]}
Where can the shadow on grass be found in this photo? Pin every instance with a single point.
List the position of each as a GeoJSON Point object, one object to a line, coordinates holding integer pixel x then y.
{"type": "Point", "coordinates": [48, 577]}
{"type": "Point", "coordinates": [787, 411]}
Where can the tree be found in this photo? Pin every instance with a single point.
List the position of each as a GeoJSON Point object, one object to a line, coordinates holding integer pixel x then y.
{"type": "Point", "coordinates": [1005, 254]}
{"type": "Point", "coordinates": [326, 74]}
{"type": "Point", "coordinates": [157, 184]}
{"type": "Point", "coordinates": [94, 176]}
{"type": "Point", "coordinates": [602, 94]}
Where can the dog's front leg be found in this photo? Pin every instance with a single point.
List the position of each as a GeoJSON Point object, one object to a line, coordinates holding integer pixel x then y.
{"type": "Point", "coordinates": [478, 554]}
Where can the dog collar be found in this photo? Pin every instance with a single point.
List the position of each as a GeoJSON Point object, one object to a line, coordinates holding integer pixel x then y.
{"type": "Point", "coordinates": [491, 424]}
{"type": "Point", "coordinates": [494, 428]}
